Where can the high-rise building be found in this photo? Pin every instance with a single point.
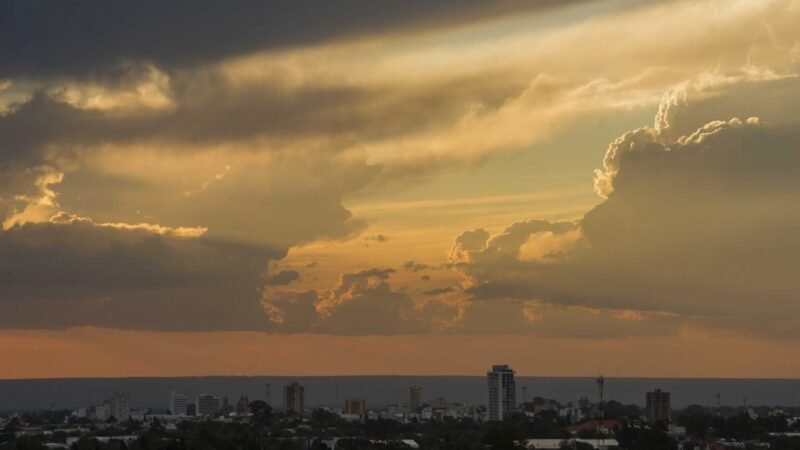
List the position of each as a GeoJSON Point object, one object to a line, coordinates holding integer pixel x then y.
{"type": "Point", "coordinates": [415, 400]}
{"type": "Point", "coordinates": [178, 404]}
{"type": "Point", "coordinates": [658, 406]}
{"type": "Point", "coordinates": [502, 392]}
{"type": "Point", "coordinates": [208, 405]}
{"type": "Point", "coordinates": [119, 406]}
{"type": "Point", "coordinates": [355, 407]}
{"type": "Point", "coordinates": [294, 398]}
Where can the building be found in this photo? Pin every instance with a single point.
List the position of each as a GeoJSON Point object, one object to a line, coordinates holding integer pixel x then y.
{"type": "Point", "coordinates": [658, 406]}
{"type": "Point", "coordinates": [502, 392]}
{"type": "Point", "coordinates": [583, 403]}
{"type": "Point", "coordinates": [119, 406]}
{"type": "Point", "coordinates": [227, 408]}
{"type": "Point", "coordinates": [415, 398]}
{"type": "Point", "coordinates": [208, 405]}
{"type": "Point", "coordinates": [294, 398]}
{"type": "Point", "coordinates": [178, 404]}
{"type": "Point", "coordinates": [243, 406]}
{"type": "Point", "coordinates": [355, 407]}
{"type": "Point", "coordinates": [102, 412]}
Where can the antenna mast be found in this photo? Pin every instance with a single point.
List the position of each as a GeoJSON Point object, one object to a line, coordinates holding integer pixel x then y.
{"type": "Point", "coordinates": [601, 387]}
{"type": "Point", "coordinates": [601, 382]}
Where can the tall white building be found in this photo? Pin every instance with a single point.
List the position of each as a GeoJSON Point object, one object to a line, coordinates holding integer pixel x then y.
{"type": "Point", "coordinates": [208, 405]}
{"type": "Point", "coordinates": [502, 392]}
{"type": "Point", "coordinates": [178, 403]}
{"type": "Point", "coordinates": [120, 406]}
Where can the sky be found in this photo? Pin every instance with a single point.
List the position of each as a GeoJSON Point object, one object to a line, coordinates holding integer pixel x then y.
{"type": "Point", "coordinates": [399, 187]}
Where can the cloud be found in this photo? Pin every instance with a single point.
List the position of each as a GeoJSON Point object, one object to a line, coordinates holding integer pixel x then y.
{"type": "Point", "coordinates": [236, 137]}
{"type": "Point", "coordinates": [360, 303]}
{"type": "Point", "coordinates": [696, 229]}
{"type": "Point", "coordinates": [104, 166]}
{"type": "Point", "coordinates": [72, 273]}
{"type": "Point", "coordinates": [282, 278]}
{"type": "Point", "coordinates": [412, 266]}
{"type": "Point", "coordinates": [439, 291]}
{"type": "Point", "coordinates": [378, 238]}
{"type": "Point", "coordinates": [279, 117]}
{"type": "Point", "coordinates": [95, 37]}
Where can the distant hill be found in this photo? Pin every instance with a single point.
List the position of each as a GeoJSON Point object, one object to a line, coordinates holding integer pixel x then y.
{"type": "Point", "coordinates": [381, 390]}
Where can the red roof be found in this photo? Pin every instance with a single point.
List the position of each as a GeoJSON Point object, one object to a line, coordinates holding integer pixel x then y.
{"type": "Point", "coordinates": [609, 424]}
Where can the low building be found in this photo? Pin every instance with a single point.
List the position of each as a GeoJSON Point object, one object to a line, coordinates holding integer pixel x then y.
{"type": "Point", "coordinates": [208, 405]}
{"type": "Point", "coordinates": [355, 407]}
{"type": "Point", "coordinates": [555, 444]}
{"type": "Point", "coordinates": [178, 404]}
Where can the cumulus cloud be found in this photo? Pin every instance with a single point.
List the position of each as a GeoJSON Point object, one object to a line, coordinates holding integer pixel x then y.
{"type": "Point", "coordinates": [360, 303]}
{"type": "Point", "coordinates": [698, 228]}
{"type": "Point", "coordinates": [239, 138]}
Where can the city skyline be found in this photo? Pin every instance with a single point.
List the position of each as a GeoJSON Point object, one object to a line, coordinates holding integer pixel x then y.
{"type": "Point", "coordinates": [399, 187]}
{"type": "Point", "coordinates": [220, 394]}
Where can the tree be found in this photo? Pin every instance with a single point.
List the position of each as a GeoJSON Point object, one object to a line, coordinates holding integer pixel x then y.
{"type": "Point", "coordinates": [505, 436]}
{"type": "Point", "coordinates": [261, 413]}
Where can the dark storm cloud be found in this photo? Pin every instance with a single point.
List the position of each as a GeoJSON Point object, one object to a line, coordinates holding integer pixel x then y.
{"type": "Point", "coordinates": [55, 275]}
{"type": "Point", "coordinates": [75, 38]}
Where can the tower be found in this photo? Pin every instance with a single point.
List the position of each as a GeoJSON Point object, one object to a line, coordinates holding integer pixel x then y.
{"type": "Point", "coordinates": [294, 398]}
{"type": "Point", "coordinates": [601, 413]}
{"type": "Point", "coordinates": [658, 406]}
{"type": "Point", "coordinates": [120, 406]}
{"type": "Point", "coordinates": [415, 398]}
{"type": "Point", "coordinates": [502, 392]}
